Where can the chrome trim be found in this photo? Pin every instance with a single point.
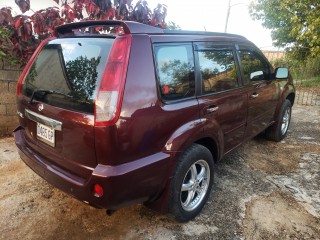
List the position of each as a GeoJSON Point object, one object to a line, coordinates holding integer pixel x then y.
{"type": "Point", "coordinates": [212, 109]}
{"type": "Point", "coordinates": [254, 95]}
{"type": "Point", "coordinates": [20, 114]}
{"type": "Point", "coordinates": [40, 107]}
{"type": "Point", "coordinates": [56, 125]}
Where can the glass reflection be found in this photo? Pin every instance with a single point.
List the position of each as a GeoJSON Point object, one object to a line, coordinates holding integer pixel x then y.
{"type": "Point", "coordinates": [218, 71]}
{"type": "Point", "coordinates": [72, 67]}
{"type": "Point", "coordinates": [175, 70]}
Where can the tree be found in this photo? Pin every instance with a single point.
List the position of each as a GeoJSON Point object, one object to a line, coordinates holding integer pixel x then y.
{"type": "Point", "coordinates": [20, 35]}
{"type": "Point", "coordinates": [82, 74]}
{"type": "Point", "coordinates": [177, 72]}
{"type": "Point", "coordinates": [173, 26]}
{"type": "Point", "coordinates": [294, 24]}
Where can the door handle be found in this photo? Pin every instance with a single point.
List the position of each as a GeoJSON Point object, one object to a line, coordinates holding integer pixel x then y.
{"type": "Point", "coordinates": [211, 109]}
{"type": "Point", "coordinates": [254, 95]}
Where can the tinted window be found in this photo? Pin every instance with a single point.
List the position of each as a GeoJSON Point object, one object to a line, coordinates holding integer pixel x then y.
{"type": "Point", "coordinates": [218, 71]}
{"type": "Point", "coordinates": [72, 67]}
{"type": "Point", "coordinates": [254, 67]}
{"type": "Point", "coordinates": [175, 71]}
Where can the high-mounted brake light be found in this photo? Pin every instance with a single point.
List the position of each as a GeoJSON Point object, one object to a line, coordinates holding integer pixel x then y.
{"type": "Point", "coordinates": [109, 97]}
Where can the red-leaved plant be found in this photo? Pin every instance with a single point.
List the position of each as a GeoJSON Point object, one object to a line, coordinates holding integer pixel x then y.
{"type": "Point", "coordinates": [20, 35]}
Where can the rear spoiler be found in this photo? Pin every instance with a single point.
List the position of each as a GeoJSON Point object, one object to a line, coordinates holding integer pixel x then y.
{"type": "Point", "coordinates": [128, 27]}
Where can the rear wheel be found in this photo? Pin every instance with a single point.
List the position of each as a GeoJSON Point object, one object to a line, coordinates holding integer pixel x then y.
{"type": "Point", "coordinates": [192, 182]}
{"type": "Point", "coordinates": [279, 130]}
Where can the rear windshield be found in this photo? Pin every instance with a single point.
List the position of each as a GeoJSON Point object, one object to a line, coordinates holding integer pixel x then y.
{"type": "Point", "coordinates": [71, 69]}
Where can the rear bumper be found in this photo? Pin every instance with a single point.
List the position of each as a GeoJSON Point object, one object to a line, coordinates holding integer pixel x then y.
{"type": "Point", "coordinates": [124, 184]}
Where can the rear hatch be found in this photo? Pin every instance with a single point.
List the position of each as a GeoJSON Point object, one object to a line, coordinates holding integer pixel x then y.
{"type": "Point", "coordinates": [57, 101]}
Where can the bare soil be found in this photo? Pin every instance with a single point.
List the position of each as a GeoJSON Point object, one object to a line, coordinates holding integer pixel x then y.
{"type": "Point", "coordinates": [263, 190]}
{"type": "Point", "coordinates": [279, 216]}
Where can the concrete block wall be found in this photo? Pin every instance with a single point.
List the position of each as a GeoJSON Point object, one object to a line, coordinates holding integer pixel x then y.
{"type": "Point", "coordinates": [9, 75]}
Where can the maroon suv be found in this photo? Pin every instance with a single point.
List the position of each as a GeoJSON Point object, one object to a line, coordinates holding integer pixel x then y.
{"type": "Point", "coordinates": [141, 116]}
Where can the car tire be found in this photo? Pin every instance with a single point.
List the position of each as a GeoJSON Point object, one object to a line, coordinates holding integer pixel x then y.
{"type": "Point", "coordinates": [279, 130]}
{"type": "Point", "coordinates": [191, 183]}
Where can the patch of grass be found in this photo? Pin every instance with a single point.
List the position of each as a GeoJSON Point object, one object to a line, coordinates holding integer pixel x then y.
{"type": "Point", "coordinates": [308, 83]}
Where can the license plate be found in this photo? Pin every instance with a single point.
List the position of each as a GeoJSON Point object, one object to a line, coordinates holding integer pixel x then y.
{"type": "Point", "coordinates": [46, 134]}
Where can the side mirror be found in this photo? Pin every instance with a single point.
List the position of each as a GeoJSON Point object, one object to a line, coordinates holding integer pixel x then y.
{"type": "Point", "coordinates": [282, 73]}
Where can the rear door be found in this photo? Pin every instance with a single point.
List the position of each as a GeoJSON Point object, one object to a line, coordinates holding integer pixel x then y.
{"type": "Point", "coordinates": [222, 100]}
{"type": "Point", "coordinates": [57, 101]}
{"type": "Point", "coordinates": [261, 89]}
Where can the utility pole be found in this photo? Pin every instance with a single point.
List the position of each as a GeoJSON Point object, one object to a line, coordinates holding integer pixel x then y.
{"type": "Point", "coordinates": [228, 13]}
{"type": "Point", "coordinates": [227, 18]}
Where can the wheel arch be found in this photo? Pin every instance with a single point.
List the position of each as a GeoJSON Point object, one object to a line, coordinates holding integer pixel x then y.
{"type": "Point", "coordinates": [182, 207]}
{"type": "Point", "coordinates": [210, 144]}
{"type": "Point", "coordinates": [291, 97]}
{"type": "Point", "coordinates": [288, 93]}
{"type": "Point", "coordinates": [161, 203]}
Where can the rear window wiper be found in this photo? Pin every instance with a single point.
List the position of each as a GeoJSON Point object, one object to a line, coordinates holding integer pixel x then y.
{"type": "Point", "coordinates": [45, 92]}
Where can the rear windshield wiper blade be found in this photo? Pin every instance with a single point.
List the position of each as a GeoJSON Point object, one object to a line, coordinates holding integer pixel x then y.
{"type": "Point", "coordinates": [45, 93]}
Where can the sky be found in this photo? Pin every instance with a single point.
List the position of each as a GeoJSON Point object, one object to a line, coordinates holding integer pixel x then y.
{"type": "Point", "coordinates": [210, 15]}
{"type": "Point", "coordinates": [201, 15]}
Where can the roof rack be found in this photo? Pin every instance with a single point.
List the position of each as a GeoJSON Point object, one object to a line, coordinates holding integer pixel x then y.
{"type": "Point", "coordinates": [187, 32]}
{"type": "Point", "coordinates": [129, 27]}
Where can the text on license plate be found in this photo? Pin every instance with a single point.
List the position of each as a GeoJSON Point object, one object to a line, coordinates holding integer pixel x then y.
{"type": "Point", "coordinates": [45, 134]}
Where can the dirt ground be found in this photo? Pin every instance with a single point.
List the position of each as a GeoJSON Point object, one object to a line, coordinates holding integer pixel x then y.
{"type": "Point", "coordinates": [264, 190]}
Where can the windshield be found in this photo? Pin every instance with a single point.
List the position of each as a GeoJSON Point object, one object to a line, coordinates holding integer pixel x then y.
{"type": "Point", "coordinates": [73, 67]}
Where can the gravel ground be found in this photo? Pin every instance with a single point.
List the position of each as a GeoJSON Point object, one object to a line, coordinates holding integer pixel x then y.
{"type": "Point", "coordinates": [263, 190]}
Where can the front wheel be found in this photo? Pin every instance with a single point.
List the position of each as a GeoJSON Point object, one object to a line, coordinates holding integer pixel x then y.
{"type": "Point", "coordinates": [192, 182]}
{"type": "Point", "coordinates": [279, 130]}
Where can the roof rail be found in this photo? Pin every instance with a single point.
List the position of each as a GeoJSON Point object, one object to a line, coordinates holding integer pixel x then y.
{"type": "Point", "coordinates": [187, 32]}
{"type": "Point", "coordinates": [129, 27]}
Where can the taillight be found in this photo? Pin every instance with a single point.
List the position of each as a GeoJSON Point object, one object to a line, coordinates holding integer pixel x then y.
{"type": "Point", "coordinates": [109, 97]}
{"type": "Point", "coordinates": [30, 62]}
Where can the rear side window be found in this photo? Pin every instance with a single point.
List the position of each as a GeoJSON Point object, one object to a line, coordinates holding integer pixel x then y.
{"type": "Point", "coordinates": [175, 71]}
{"type": "Point", "coordinates": [218, 70]}
{"type": "Point", "coordinates": [71, 67]}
